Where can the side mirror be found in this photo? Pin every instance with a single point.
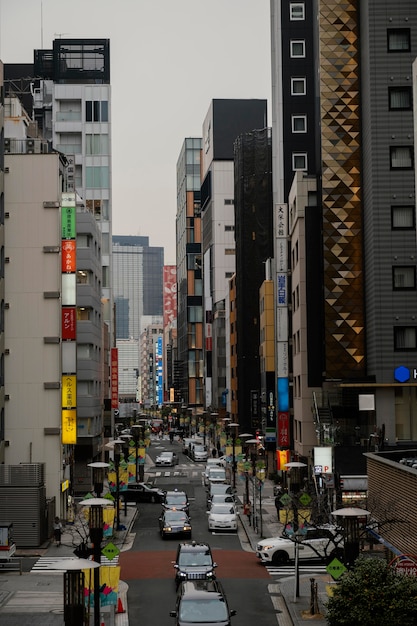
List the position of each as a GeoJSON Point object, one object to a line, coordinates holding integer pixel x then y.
{"type": "Point", "coordinates": [232, 612]}
{"type": "Point", "coordinates": [173, 613]}
{"type": "Point", "coordinates": [175, 565]}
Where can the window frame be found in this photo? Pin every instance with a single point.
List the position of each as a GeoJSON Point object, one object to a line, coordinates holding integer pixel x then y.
{"type": "Point", "coordinates": [411, 209]}
{"type": "Point", "coordinates": [397, 89]}
{"type": "Point", "coordinates": [411, 153]}
{"type": "Point", "coordinates": [298, 117]}
{"type": "Point", "coordinates": [297, 41]}
{"type": "Point", "coordinates": [397, 329]}
{"type": "Point", "coordinates": [301, 6]}
{"type": "Point", "coordinates": [296, 155]}
{"type": "Point", "coordinates": [396, 273]}
{"type": "Point", "coordinates": [298, 79]}
{"type": "Point", "coordinates": [392, 31]}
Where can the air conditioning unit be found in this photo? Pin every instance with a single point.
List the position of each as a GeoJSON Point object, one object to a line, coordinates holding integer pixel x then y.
{"type": "Point", "coordinates": [7, 145]}
{"type": "Point", "coordinates": [33, 146]}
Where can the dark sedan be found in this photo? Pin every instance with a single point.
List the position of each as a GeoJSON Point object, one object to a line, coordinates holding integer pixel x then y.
{"type": "Point", "coordinates": [174, 523]}
{"type": "Point", "coordinates": [142, 492]}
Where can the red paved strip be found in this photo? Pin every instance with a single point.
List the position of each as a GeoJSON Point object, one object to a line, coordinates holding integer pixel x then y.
{"type": "Point", "coordinates": [147, 565]}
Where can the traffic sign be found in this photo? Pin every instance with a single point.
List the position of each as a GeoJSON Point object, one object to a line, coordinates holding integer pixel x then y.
{"type": "Point", "coordinates": [336, 569]}
{"type": "Point", "coordinates": [110, 551]}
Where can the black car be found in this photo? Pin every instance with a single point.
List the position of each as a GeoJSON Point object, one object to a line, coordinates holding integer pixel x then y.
{"type": "Point", "coordinates": [194, 561]}
{"type": "Point", "coordinates": [176, 500]}
{"type": "Point", "coordinates": [142, 492]}
{"type": "Point", "coordinates": [174, 523]}
{"type": "Point", "coordinates": [202, 602]}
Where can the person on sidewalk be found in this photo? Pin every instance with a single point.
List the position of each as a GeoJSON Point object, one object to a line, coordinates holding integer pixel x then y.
{"type": "Point", "coordinates": [57, 531]}
{"type": "Point", "coordinates": [247, 510]}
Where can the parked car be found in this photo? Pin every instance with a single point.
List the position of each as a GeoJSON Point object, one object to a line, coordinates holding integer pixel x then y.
{"type": "Point", "coordinates": [218, 488]}
{"type": "Point", "coordinates": [174, 523]}
{"type": "Point", "coordinates": [199, 452]}
{"type": "Point", "coordinates": [166, 459]}
{"type": "Point", "coordinates": [194, 561]}
{"type": "Point", "coordinates": [216, 475]}
{"type": "Point", "coordinates": [222, 517]}
{"type": "Point", "coordinates": [202, 602]}
{"type": "Point", "coordinates": [189, 442]}
{"type": "Point", "coordinates": [142, 492]}
{"type": "Point", "coordinates": [176, 500]}
{"type": "Point", "coordinates": [317, 543]}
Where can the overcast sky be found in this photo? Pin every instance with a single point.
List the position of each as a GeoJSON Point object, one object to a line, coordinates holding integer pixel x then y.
{"type": "Point", "coordinates": [169, 59]}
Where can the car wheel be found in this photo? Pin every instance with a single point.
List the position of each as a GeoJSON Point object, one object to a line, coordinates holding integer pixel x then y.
{"type": "Point", "coordinates": [280, 558]}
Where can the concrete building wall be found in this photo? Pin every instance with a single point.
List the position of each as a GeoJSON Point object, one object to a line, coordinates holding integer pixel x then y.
{"type": "Point", "coordinates": [33, 312]}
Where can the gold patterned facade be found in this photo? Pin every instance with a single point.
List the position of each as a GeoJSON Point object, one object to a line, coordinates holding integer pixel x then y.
{"type": "Point", "coordinates": [341, 188]}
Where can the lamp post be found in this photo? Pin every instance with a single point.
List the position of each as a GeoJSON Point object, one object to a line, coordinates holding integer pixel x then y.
{"type": "Point", "coordinates": [74, 606]}
{"type": "Point", "coordinates": [293, 487]}
{"type": "Point", "coordinates": [233, 426]}
{"type": "Point", "coordinates": [95, 523]}
{"type": "Point", "coordinates": [98, 476]}
{"type": "Point", "coordinates": [136, 429]}
{"type": "Point", "coordinates": [350, 522]}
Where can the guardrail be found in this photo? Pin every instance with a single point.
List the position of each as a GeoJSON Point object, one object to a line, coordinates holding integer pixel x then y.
{"type": "Point", "coordinates": [11, 565]}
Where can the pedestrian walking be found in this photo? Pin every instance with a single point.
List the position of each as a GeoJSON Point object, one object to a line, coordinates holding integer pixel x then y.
{"type": "Point", "coordinates": [247, 510]}
{"type": "Point", "coordinates": [57, 531]}
{"type": "Point", "coordinates": [278, 503]}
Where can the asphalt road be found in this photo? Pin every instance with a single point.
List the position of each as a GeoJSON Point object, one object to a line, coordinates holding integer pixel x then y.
{"type": "Point", "coordinates": [148, 569]}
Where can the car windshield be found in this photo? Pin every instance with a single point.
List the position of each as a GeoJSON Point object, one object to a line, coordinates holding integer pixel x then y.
{"type": "Point", "coordinates": [194, 559]}
{"type": "Point", "coordinates": [175, 516]}
{"type": "Point", "coordinates": [165, 454]}
{"type": "Point", "coordinates": [222, 509]}
{"type": "Point", "coordinates": [201, 611]}
{"type": "Point", "coordinates": [216, 473]}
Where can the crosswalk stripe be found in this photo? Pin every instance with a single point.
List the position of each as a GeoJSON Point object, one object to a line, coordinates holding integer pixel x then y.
{"type": "Point", "coordinates": [35, 602]}
{"type": "Point", "coordinates": [290, 569]}
{"type": "Point", "coordinates": [42, 565]}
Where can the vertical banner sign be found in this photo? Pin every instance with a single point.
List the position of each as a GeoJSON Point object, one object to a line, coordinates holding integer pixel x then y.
{"type": "Point", "coordinates": [114, 378]}
{"type": "Point", "coordinates": [281, 304]}
{"type": "Point", "coordinates": [68, 319]}
{"type": "Point", "coordinates": [159, 384]}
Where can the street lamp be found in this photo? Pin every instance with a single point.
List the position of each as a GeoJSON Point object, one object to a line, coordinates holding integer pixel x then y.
{"type": "Point", "coordinates": [98, 476]}
{"type": "Point", "coordinates": [136, 430]}
{"type": "Point", "coordinates": [74, 605]}
{"type": "Point", "coordinates": [350, 523]}
{"type": "Point", "coordinates": [115, 445]}
{"type": "Point", "coordinates": [95, 523]}
{"type": "Point", "coordinates": [234, 427]}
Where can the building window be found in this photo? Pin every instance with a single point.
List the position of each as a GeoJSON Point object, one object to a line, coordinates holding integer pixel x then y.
{"type": "Point", "coordinates": [229, 251]}
{"type": "Point", "coordinates": [398, 40]}
{"type": "Point", "coordinates": [403, 217]}
{"type": "Point", "coordinates": [297, 11]}
{"type": "Point", "coordinates": [97, 144]}
{"type": "Point", "coordinates": [405, 338]}
{"type": "Point", "coordinates": [298, 86]}
{"type": "Point", "coordinates": [229, 227]}
{"type": "Point", "coordinates": [299, 161]}
{"type": "Point", "coordinates": [229, 201]}
{"type": "Point", "coordinates": [97, 177]}
{"type": "Point", "coordinates": [297, 48]}
{"type": "Point", "coordinates": [404, 278]}
{"type": "Point", "coordinates": [400, 98]}
{"type": "Point", "coordinates": [96, 111]}
{"type": "Point", "coordinates": [401, 157]}
{"type": "Point", "coordinates": [299, 123]}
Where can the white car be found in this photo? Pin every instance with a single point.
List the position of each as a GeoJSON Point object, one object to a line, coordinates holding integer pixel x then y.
{"type": "Point", "coordinates": [216, 475]}
{"type": "Point", "coordinates": [199, 452]}
{"type": "Point", "coordinates": [166, 459]}
{"type": "Point", "coordinates": [223, 517]}
{"type": "Point", "coordinates": [211, 462]}
{"type": "Point", "coordinates": [222, 498]}
{"type": "Point", "coordinates": [317, 543]}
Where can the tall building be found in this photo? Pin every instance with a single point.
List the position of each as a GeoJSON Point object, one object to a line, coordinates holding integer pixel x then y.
{"type": "Point", "coordinates": [189, 387]}
{"type": "Point", "coordinates": [254, 247]}
{"type": "Point", "coordinates": [2, 417]}
{"type": "Point", "coordinates": [224, 122]}
{"type": "Point", "coordinates": [138, 297]}
{"type": "Point", "coordinates": [353, 227]}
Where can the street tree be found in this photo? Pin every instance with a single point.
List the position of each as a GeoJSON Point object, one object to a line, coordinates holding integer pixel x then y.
{"type": "Point", "coordinates": [373, 593]}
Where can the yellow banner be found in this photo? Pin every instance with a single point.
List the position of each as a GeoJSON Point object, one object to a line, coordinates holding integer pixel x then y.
{"type": "Point", "coordinates": [69, 392]}
{"type": "Point", "coordinates": [68, 426]}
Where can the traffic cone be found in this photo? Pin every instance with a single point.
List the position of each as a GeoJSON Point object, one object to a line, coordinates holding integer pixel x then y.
{"type": "Point", "coordinates": [120, 608]}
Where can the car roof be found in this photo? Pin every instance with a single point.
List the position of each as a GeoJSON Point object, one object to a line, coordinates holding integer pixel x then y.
{"type": "Point", "coordinates": [194, 547]}
{"type": "Point", "coordinates": [200, 588]}
{"type": "Point", "coordinates": [176, 493]}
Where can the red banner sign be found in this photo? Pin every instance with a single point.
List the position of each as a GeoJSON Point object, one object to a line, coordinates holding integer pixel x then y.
{"type": "Point", "coordinates": [69, 256]}
{"type": "Point", "coordinates": [283, 429]}
{"type": "Point", "coordinates": [69, 323]}
{"type": "Point", "coordinates": [114, 379]}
